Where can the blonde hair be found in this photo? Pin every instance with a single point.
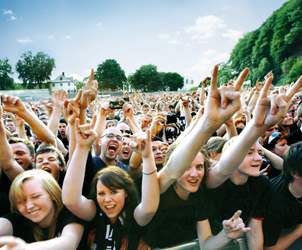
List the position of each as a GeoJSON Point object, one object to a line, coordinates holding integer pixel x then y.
{"type": "Point", "coordinates": [49, 184]}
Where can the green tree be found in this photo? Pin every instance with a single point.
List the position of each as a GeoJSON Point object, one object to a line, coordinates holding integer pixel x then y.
{"type": "Point", "coordinates": [6, 82]}
{"type": "Point", "coordinates": [171, 81]}
{"type": "Point", "coordinates": [226, 73]}
{"type": "Point", "coordinates": [295, 71]}
{"type": "Point", "coordinates": [34, 70]}
{"type": "Point", "coordinates": [146, 78]}
{"type": "Point", "coordinates": [110, 75]}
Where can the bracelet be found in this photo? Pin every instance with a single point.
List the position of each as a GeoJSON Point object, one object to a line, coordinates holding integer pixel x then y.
{"type": "Point", "coordinates": [152, 172]}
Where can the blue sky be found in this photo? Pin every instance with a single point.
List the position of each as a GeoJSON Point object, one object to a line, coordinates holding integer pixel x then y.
{"type": "Point", "coordinates": [184, 36]}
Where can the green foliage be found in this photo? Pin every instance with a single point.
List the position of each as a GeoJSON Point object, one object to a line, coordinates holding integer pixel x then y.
{"type": "Point", "coordinates": [275, 46]}
{"type": "Point", "coordinates": [171, 81]}
{"type": "Point", "coordinates": [146, 78]}
{"type": "Point", "coordinates": [226, 73]}
{"type": "Point", "coordinates": [295, 71]}
{"type": "Point", "coordinates": [34, 69]}
{"type": "Point", "coordinates": [6, 82]}
{"type": "Point", "coordinates": [110, 75]}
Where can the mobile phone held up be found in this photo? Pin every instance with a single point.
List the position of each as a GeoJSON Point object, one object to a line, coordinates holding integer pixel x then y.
{"type": "Point", "coordinates": [118, 104]}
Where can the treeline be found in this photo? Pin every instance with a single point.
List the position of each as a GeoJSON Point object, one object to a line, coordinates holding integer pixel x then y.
{"type": "Point", "coordinates": [35, 72]}
{"type": "Point", "coordinates": [276, 46]}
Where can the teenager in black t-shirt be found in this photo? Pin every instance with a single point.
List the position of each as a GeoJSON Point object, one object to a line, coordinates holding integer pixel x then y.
{"type": "Point", "coordinates": [184, 203]}
{"type": "Point", "coordinates": [113, 207]}
{"type": "Point", "coordinates": [38, 219]}
{"type": "Point", "coordinates": [285, 208]}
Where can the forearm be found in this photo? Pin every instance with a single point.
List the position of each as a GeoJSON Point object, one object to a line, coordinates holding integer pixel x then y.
{"type": "Point", "coordinates": [67, 241]}
{"type": "Point", "coordinates": [216, 242]}
{"type": "Point", "coordinates": [286, 240]}
{"type": "Point", "coordinates": [38, 127]}
{"type": "Point", "coordinates": [21, 131]}
{"type": "Point", "coordinates": [150, 193]}
{"type": "Point", "coordinates": [7, 162]}
{"type": "Point", "coordinates": [100, 124]}
{"type": "Point", "coordinates": [255, 235]}
{"type": "Point", "coordinates": [232, 158]}
{"type": "Point", "coordinates": [71, 193]}
{"type": "Point", "coordinates": [185, 153]}
{"type": "Point", "coordinates": [53, 123]}
{"type": "Point", "coordinates": [71, 140]}
{"type": "Point", "coordinates": [277, 161]}
{"type": "Point", "coordinates": [133, 124]}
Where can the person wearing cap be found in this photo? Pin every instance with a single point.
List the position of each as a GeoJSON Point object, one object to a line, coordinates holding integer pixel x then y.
{"type": "Point", "coordinates": [277, 143]}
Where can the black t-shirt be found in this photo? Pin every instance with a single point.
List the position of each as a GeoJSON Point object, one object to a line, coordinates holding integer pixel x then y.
{"type": "Point", "coordinates": [22, 227]}
{"type": "Point", "coordinates": [284, 211]}
{"type": "Point", "coordinates": [102, 235]}
{"type": "Point", "coordinates": [4, 190]}
{"type": "Point", "coordinates": [251, 198]}
{"type": "Point", "coordinates": [175, 220]}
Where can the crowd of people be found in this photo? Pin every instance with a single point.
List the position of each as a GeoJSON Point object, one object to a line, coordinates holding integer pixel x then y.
{"type": "Point", "coordinates": [218, 168]}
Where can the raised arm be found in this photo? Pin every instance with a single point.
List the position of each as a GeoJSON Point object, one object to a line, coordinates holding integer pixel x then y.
{"type": "Point", "coordinates": [73, 182]}
{"type": "Point", "coordinates": [7, 162]}
{"type": "Point", "coordinates": [145, 211]}
{"type": "Point", "coordinates": [15, 105]}
{"type": "Point", "coordinates": [268, 112]}
{"type": "Point", "coordinates": [220, 106]}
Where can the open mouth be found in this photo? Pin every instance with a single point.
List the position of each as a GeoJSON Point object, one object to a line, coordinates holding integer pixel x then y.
{"type": "Point", "coordinates": [47, 169]}
{"type": "Point", "coordinates": [112, 148]}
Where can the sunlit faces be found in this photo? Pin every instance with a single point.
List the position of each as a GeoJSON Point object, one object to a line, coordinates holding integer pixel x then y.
{"type": "Point", "coordinates": [280, 147]}
{"type": "Point", "coordinates": [157, 152]}
{"type": "Point", "coordinates": [252, 162]}
{"type": "Point", "coordinates": [190, 181]}
{"type": "Point", "coordinates": [126, 150]}
{"type": "Point", "coordinates": [37, 205]}
{"type": "Point", "coordinates": [110, 201]}
{"type": "Point", "coordinates": [22, 155]}
{"type": "Point", "coordinates": [49, 162]}
{"type": "Point", "coordinates": [111, 143]}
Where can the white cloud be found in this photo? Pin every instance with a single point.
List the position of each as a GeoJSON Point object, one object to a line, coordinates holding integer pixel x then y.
{"type": "Point", "coordinates": [7, 12]}
{"type": "Point", "coordinates": [208, 59]}
{"type": "Point", "coordinates": [206, 26]}
{"type": "Point", "coordinates": [232, 34]}
{"type": "Point", "coordinates": [24, 40]}
{"type": "Point", "coordinates": [67, 37]}
{"type": "Point", "coordinates": [51, 37]}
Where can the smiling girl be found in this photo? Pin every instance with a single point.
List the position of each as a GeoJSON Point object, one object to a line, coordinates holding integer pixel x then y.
{"type": "Point", "coordinates": [113, 206]}
{"type": "Point", "coordinates": [38, 217]}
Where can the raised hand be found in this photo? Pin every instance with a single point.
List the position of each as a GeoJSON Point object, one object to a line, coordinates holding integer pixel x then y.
{"type": "Point", "coordinates": [270, 110]}
{"type": "Point", "coordinates": [142, 143]}
{"type": "Point", "coordinates": [13, 104]}
{"type": "Point", "coordinates": [234, 226]}
{"type": "Point", "coordinates": [223, 102]}
{"type": "Point", "coordinates": [85, 135]}
{"type": "Point", "coordinates": [90, 91]}
{"type": "Point", "coordinates": [58, 98]}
